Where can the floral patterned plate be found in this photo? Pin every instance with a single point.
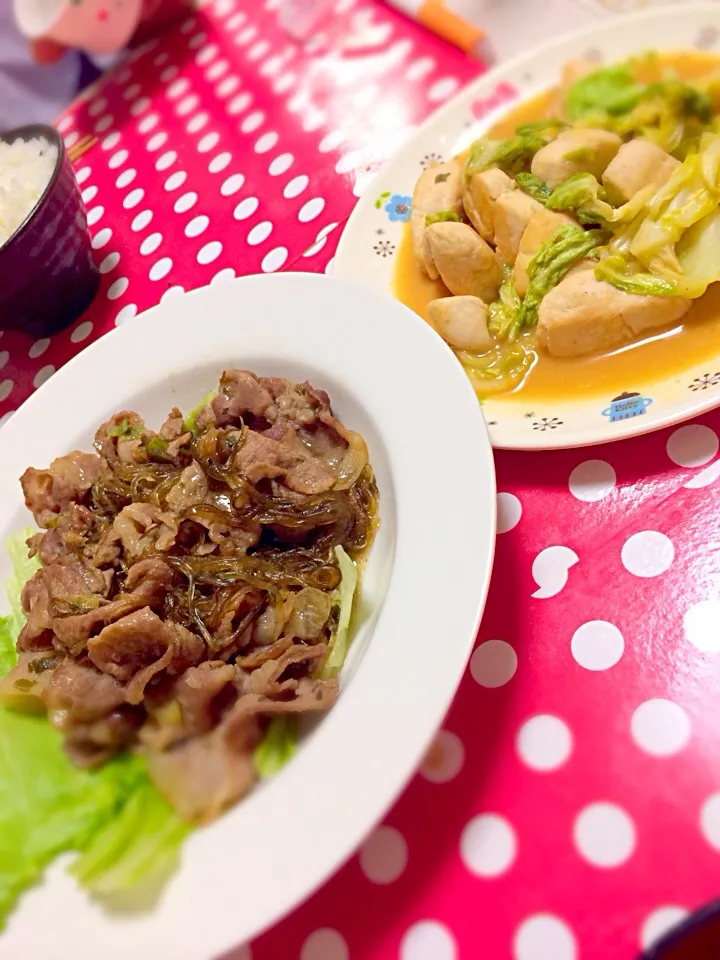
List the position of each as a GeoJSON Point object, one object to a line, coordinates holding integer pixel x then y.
{"type": "Point", "coordinates": [372, 237]}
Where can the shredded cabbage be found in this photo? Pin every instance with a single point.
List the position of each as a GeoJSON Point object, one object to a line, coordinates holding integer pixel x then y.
{"type": "Point", "coordinates": [533, 186]}
{"type": "Point", "coordinates": [340, 643]}
{"type": "Point", "coordinates": [277, 747]}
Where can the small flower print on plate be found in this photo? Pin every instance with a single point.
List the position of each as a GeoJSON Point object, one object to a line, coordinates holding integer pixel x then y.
{"type": "Point", "coordinates": [397, 206]}
{"type": "Point", "coordinates": [705, 381]}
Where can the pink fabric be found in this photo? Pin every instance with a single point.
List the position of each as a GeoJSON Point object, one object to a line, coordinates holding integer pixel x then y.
{"type": "Point", "coordinates": [571, 806]}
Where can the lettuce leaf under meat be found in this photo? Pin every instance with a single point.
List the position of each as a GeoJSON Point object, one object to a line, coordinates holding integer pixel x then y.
{"type": "Point", "coordinates": [124, 829]}
{"type": "Point", "coordinates": [277, 747]}
{"type": "Point", "coordinates": [340, 643]}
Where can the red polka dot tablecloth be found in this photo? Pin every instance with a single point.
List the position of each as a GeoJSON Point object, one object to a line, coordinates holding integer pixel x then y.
{"type": "Point", "coordinates": [570, 806]}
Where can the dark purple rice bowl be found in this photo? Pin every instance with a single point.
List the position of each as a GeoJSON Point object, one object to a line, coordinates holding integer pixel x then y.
{"type": "Point", "coordinates": [47, 273]}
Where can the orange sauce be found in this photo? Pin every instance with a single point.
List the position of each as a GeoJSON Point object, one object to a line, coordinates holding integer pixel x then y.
{"type": "Point", "coordinates": [665, 356]}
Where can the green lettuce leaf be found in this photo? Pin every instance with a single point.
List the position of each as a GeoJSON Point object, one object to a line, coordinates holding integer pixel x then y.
{"type": "Point", "coordinates": [277, 747]}
{"type": "Point", "coordinates": [611, 90]}
{"type": "Point", "coordinates": [513, 155]}
{"type": "Point", "coordinates": [190, 421]}
{"type": "Point", "coordinates": [340, 643]}
{"type": "Point", "coordinates": [565, 248]}
{"type": "Point", "coordinates": [504, 313]}
{"type": "Point", "coordinates": [533, 186]}
{"type": "Point", "coordinates": [613, 269]}
{"type": "Point", "coordinates": [443, 216]}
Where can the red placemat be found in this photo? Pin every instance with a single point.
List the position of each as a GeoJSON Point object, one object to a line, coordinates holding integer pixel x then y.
{"type": "Point", "coordinates": [570, 808]}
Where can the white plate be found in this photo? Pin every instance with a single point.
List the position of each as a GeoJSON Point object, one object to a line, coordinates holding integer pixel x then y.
{"type": "Point", "coordinates": [372, 236]}
{"type": "Point", "coordinates": [423, 591]}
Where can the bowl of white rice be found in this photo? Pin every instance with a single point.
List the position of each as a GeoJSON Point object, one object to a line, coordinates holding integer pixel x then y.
{"type": "Point", "coordinates": [48, 273]}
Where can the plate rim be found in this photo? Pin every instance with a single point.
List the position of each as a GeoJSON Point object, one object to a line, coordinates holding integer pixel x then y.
{"type": "Point", "coordinates": [428, 689]}
{"type": "Point", "coordinates": [576, 439]}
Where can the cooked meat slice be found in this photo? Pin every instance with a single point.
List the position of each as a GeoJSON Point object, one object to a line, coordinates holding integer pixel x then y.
{"type": "Point", "coordinates": [190, 489]}
{"type": "Point", "coordinates": [462, 321]}
{"type": "Point", "coordinates": [437, 190]}
{"type": "Point", "coordinates": [466, 264]}
{"type": "Point", "coordinates": [23, 688]}
{"type": "Point", "coordinates": [241, 393]}
{"type": "Point", "coordinates": [583, 315]}
{"type": "Point", "coordinates": [260, 457]}
{"type": "Point", "coordinates": [141, 645]}
{"type": "Point", "coordinates": [541, 227]}
{"type": "Point", "coordinates": [479, 196]}
{"type": "Point", "coordinates": [122, 428]}
{"type": "Point", "coordinates": [66, 481]}
{"type": "Point", "coordinates": [142, 526]}
{"type": "Point", "coordinates": [77, 693]}
{"type": "Point", "coordinates": [297, 403]}
{"type": "Point", "coordinates": [91, 744]}
{"type": "Point", "coordinates": [513, 212]}
{"type": "Point", "coordinates": [173, 426]}
{"type": "Point", "coordinates": [261, 655]}
{"type": "Point", "coordinates": [637, 164]}
{"type": "Point", "coordinates": [266, 679]}
{"type": "Point", "coordinates": [310, 612]}
{"type": "Point", "coordinates": [355, 457]}
{"type": "Point", "coordinates": [582, 150]}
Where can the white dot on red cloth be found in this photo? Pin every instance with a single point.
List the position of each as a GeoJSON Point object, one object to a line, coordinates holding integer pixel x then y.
{"type": "Point", "coordinates": [551, 569]}
{"type": "Point", "coordinates": [295, 187]}
{"type": "Point", "coordinates": [384, 855]}
{"type": "Point", "coordinates": [239, 103]}
{"type": "Point", "coordinates": [210, 252]}
{"type": "Point", "coordinates": [197, 40]}
{"type": "Point", "coordinates": [227, 86]}
{"type": "Point", "coordinates": [259, 233]}
{"type": "Point", "coordinates": [284, 83]}
{"type": "Point", "coordinates": [647, 554]}
{"type": "Point", "coordinates": [660, 727]}
{"type": "Point", "coordinates": [82, 331]}
{"type": "Point", "coordinates": [196, 123]}
{"type": "Point", "coordinates": [101, 238]}
{"type": "Point", "coordinates": [111, 141]}
{"type": "Point", "coordinates": [700, 623]}
{"type": "Point", "coordinates": [125, 178]}
{"type": "Point", "coordinates": [428, 940]}
{"type": "Point", "coordinates": [148, 123]}
{"type": "Point", "coordinates": [246, 208]}
{"type": "Point", "coordinates": [420, 68]}
{"type": "Point", "coordinates": [43, 374]}
{"type": "Point", "coordinates": [222, 276]}
{"type": "Point", "coordinates": [509, 512]}
{"type": "Point", "coordinates": [187, 104]}
{"type": "Point", "coordinates": [118, 288]}
{"type": "Point", "coordinates": [109, 263]}
{"type": "Point", "coordinates": [320, 240]}
{"type": "Point", "coordinates": [131, 91]}
{"type": "Point", "coordinates": [544, 743]}
{"type": "Point", "coordinates": [220, 162]}
{"type": "Point", "coordinates": [246, 35]}
{"type": "Point", "coordinates": [693, 445]}
{"type": "Point", "coordinates": [97, 106]}
{"type": "Point", "coordinates": [258, 50]}
{"type": "Point", "coordinates": [188, 25]}
{"type": "Point", "coordinates": [141, 220]}
{"type": "Point", "coordinates": [185, 202]}
{"type": "Point", "coordinates": [236, 20]}
{"type": "Point", "coordinates": [493, 663]}
{"type": "Point", "coordinates": [178, 88]}
{"type": "Point", "coordinates": [6, 388]}
{"type": "Point", "coordinates": [206, 54]}
{"type": "Point", "coordinates": [150, 244]}
{"type": "Point", "coordinates": [232, 185]}
{"type": "Point", "coordinates": [169, 73]}
{"type": "Point", "coordinates": [312, 209]}
{"type": "Point", "coordinates": [160, 269]}
{"type": "Point", "coordinates": [271, 66]}
{"type": "Point", "coordinates": [266, 142]}
{"type": "Point", "coordinates": [442, 89]}
{"type": "Point", "coordinates": [133, 198]}
{"type": "Point", "coordinates": [592, 480]}
{"type": "Point", "coordinates": [197, 226]}
{"type": "Point", "coordinates": [660, 922]}
{"type": "Point", "coordinates": [709, 819]}
{"type": "Point", "coordinates": [444, 759]}
{"type": "Point", "coordinates": [94, 215]}
{"type": "Point", "coordinates": [604, 835]}
{"type": "Point", "coordinates": [208, 142]}
{"type": "Point", "coordinates": [274, 259]}
{"type": "Point", "coordinates": [175, 180]}
{"type": "Point", "coordinates": [597, 645]}
{"type": "Point", "coordinates": [488, 845]}
{"type": "Point", "coordinates": [216, 70]}
{"type": "Point", "coordinates": [280, 164]}
{"type": "Point", "coordinates": [544, 936]}
{"type": "Point", "coordinates": [140, 106]}
{"type": "Point", "coordinates": [38, 348]}
{"type": "Point", "coordinates": [82, 175]}
{"type": "Point", "coordinates": [4, 357]}
{"type": "Point", "coordinates": [126, 313]}
{"type": "Point", "coordinates": [156, 141]}
{"type": "Point", "coordinates": [160, 59]}
{"type": "Point", "coordinates": [89, 194]}
{"type": "Point", "coordinates": [103, 124]}
{"type": "Point", "coordinates": [118, 159]}
{"type": "Point", "coordinates": [165, 160]}
{"type": "Point", "coordinates": [331, 141]}
{"type": "Point", "coordinates": [325, 944]}
{"type": "Point", "coordinates": [252, 121]}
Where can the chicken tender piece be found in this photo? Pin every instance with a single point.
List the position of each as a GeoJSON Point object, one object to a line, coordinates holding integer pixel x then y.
{"type": "Point", "coordinates": [584, 315]}
{"type": "Point", "coordinates": [465, 262]}
{"type": "Point", "coordinates": [541, 227]}
{"type": "Point", "coordinates": [479, 196]}
{"type": "Point", "coordinates": [575, 151]}
{"type": "Point", "coordinates": [635, 165]}
{"type": "Point", "coordinates": [462, 322]}
{"type": "Point", "coordinates": [513, 212]}
{"type": "Point", "coordinates": [438, 189]}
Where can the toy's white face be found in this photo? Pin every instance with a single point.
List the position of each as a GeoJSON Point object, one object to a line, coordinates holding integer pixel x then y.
{"type": "Point", "coordinates": [95, 26]}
